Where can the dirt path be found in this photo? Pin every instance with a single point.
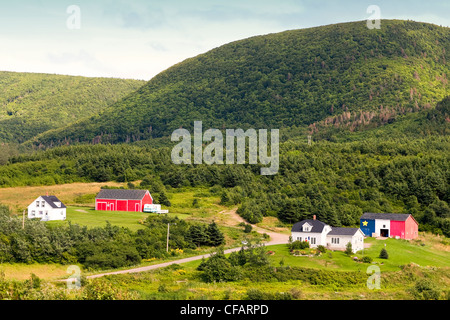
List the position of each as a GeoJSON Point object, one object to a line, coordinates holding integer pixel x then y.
{"type": "Point", "coordinates": [230, 218]}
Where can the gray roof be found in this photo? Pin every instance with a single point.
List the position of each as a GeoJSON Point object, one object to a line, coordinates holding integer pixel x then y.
{"type": "Point", "coordinates": [51, 201]}
{"type": "Point", "coordinates": [335, 231]}
{"type": "Point", "coordinates": [121, 194]}
{"type": "Point", "coordinates": [317, 226]}
{"type": "Point", "coordinates": [385, 216]}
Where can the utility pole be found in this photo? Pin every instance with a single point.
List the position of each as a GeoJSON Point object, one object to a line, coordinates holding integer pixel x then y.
{"type": "Point", "coordinates": [167, 244]}
{"type": "Point", "coordinates": [168, 228]}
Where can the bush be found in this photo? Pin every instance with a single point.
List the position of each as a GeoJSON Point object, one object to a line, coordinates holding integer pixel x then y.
{"type": "Point", "coordinates": [218, 269]}
{"type": "Point", "coordinates": [297, 245]}
{"type": "Point", "coordinates": [248, 228]}
{"type": "Point", "coordinates": [321, 248]}
{"type": "Point", "coordinates": [367, 259]}
{"type": "Point", "coordinates": [425, 289]}
{"type": "Point", "coordinates": [383, 254]}
{"type": "Point", "coordinates": [348, 249]}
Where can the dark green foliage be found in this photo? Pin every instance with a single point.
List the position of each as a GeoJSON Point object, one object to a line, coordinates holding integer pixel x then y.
{"type": "Point", "coordinates": [205, 235]}
{"type": "Point", "coordinates": [215, 236]}
{"type": "Point", "coordinates": [218, 269]}
{"type": "Point", "coordinates": [298, 245]}
{"type": "Point", "coordinates": [256, 294]}
{"type": "Point", "coordinates": [425, 289]}
{"type": "Point", "coordinates": [248, 228]}
{"type": "Point", "coordinates": [348, 249]}
{"type": "Point", "coordinates": [384, 254]}
{"type": "Point", "coordinates": [164, 200]}
{"type": "Point", "coordinates": [321, 248]}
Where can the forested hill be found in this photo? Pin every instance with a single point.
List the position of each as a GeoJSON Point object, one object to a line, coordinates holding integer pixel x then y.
{"type": "Point", "coordinates": [328, 75]}
{"type": "Point", "coordinates": [32, 103]}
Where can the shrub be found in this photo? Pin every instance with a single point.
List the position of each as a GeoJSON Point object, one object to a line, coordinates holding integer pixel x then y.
{"type": "Point", "coordinates": [383, 254]}
{"type": "Point", "coordinates": [298, 245]}
{"type": "Point", "coordinates": [425, 289]}
{"type": "Point", "coordinates": [248, 228]}
{"type": "Point", "coordinates": [366, 259]}
{"type": "Point", "coordinates": [321, 248]}
{"type": "Point", "coordinates": [348, 249]}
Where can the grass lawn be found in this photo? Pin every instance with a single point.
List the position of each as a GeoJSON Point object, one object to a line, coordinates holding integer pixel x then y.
{"type": "Point", "coordinates": [87, 216]}
{"type": "Point", "coordinates": [22, 271]}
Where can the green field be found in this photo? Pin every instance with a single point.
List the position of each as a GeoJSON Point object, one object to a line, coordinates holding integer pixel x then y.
{"type": "Point", "coordinates": [89, 217]}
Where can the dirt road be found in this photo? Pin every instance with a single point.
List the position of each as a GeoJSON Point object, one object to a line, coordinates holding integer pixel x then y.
{"type": "Point", "coordinates": [229, 218]}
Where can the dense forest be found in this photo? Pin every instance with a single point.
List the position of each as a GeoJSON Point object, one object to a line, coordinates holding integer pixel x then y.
{"type": "Point", "coordinates": [342, 75]}
{"type": "Point", "coordinates": [32, 103]}
{"type": "Point", "coordinates": [337, 181]}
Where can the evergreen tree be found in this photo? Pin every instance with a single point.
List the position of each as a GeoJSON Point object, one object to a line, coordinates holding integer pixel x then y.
{"type": "Point", "coordinates": [384, 254]}
{"type": "Point", "coordinates": [164, 200]}
{"type": "Point", "coordinates": [215, 236]}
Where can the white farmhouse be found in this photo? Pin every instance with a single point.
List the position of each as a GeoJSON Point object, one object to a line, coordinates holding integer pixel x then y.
{"type": "Point", "coordinates": [47, 208]}
{"type": "Point", "coordinates": [319, 233]}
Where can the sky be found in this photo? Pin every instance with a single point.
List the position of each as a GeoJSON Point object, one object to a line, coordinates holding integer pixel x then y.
{"type": "Point", "coordinates": [138, 39]}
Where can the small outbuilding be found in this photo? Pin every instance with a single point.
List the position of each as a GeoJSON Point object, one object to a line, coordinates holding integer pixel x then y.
{"type": "Point", "coordinates": [394, 225]}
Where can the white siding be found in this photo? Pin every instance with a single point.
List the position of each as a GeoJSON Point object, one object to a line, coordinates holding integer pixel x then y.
{"type": "Point", "coordinates": [382, 224]}
{"type": "Point", "coordinates": [42, 210]}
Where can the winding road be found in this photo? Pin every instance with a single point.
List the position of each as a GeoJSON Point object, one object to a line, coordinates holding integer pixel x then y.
{"type": "Point", "coordinates": [231, 218]}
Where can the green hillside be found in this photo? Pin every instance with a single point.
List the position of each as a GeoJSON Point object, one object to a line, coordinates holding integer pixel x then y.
{"type": "Point", "coordinates": [32, 103]}
{"type": "Point", "coordinates": [342, 74]}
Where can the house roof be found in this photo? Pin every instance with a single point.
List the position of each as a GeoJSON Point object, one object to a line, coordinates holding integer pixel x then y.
{"type": "Point", "coordinates": [336, 231]}
{"type": "Point", "coordinates": [121, 194]}
{"type": "Point", "coordinates": [51, 201]}
{"type": "Point", "coordinates": [317, 226]}
{"type": "Point", "coordinates": [385, 216]}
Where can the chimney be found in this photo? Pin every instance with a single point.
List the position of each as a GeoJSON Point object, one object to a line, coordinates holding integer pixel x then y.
{"type": "Point", "coordinates": [314, 217]}
{"type": "Point", "coordinates": [47, 193]}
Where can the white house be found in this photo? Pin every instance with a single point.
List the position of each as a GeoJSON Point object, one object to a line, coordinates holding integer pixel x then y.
{"type": "Point", "coordinates": [47, 208]}
{"type": "Point", "coordinates": [319, 233]}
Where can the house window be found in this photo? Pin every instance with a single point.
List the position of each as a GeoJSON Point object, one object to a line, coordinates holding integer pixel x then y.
{"type": "Point", "coordinates": [313, 240]}
{"type": "Point", "coordinates": [43, 204]}
{"type": "Point", "coordinates": [37, 204]}
{"type": "Point", "coordinates": [335, 240]}
{"type": "Point", "coordinates": [33, 213]}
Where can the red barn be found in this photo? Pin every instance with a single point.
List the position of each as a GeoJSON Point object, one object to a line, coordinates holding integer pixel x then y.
{"type": "Point", "coordinates": [122, 200]}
